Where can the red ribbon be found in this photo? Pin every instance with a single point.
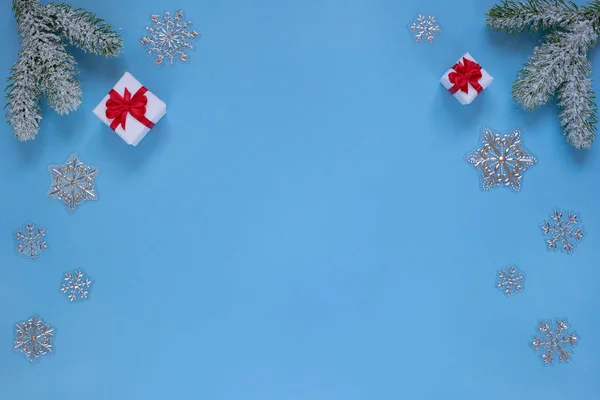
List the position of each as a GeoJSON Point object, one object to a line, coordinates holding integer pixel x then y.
{"type": "Point", "coordinates": [463, 74]}
{"type": "Point", "coordinates": [117, 108]}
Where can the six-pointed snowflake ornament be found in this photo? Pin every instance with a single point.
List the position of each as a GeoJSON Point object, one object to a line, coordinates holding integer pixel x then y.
{"type": "Point", "coordinates": [424, 28]}
{"type": "Point", "coordinates": [501, 160]}
{"type": "Point", "coordinates": [510, 280]}
{"type": "Point", "coordinates": [554, 342]}
{"type": "Point", "coordinates": [170, 37]}
{"type": "Point", "coordinates": [30, 241]}
{"type": "Point", "coordinates": [76, 285]}
{"type": "Point", "coordinates": [33, 338]}
{"type": "Point", "coordinates": [73, 182]}
{"type": "Point", "coordinates": [562, 231]}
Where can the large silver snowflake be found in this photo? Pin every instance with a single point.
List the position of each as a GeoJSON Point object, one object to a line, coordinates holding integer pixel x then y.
{"type": "Point", "coordinates": [561, 232]}
{"type": "Point", "coordinates": [76, 285]}
{"type": "Point", "coordinates": [552, 342]}
{"type": "Point", "coordinates": [33, 338]}
{"type": "Point", "coordinates": [73, 182]}
{"type": "Point", "coordinates": [169, 37]}
{"type": "Point", "coordinates": [30, 241]}
{"type": "Point", "coordinates": [424, 28]}
{"type": "Point", "coordinates": [510, 280]}
{"type": "Point", "coordinates": [501, 159]}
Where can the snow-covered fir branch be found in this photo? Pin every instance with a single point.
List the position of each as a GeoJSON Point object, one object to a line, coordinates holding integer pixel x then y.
{"type": "Point", "coordinates": [576, 100]}
{"type": "Point", "coordinates": [44, 67]}
{"type": "Point", "coordinates": [84, 30]}
{"type": "Point", "coordinates": [23, 94]}
{"type": "Point", "coordinates": [558, 66]}
{"type": "Point", "coordinates": [23, 91]}
{"type": "Point", "coordinates": [543, 72]}
{"type": "Point", "coordinates": [535, 15]}
{"type": "Point", "coordinates": [58, 83]}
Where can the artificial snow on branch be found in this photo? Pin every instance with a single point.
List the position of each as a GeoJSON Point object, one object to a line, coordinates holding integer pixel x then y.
{"type": "Point", "coordinates": [559, 65]}
{"type": "Point", "coordinates": [44, 66]}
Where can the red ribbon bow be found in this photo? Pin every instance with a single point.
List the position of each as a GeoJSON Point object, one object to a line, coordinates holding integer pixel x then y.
{"type": "Point", "coordinates": [463, 74]}
{"type": "Point", "coordinates": [117, 108]}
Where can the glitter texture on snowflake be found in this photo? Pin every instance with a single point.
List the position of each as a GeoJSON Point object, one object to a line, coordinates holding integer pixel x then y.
{"type": "Point", "coordinates": [30, 241]}
{"type": "Point", "coordinates": [501, 160]}
{"type": "Point", "coordinates": [169, 37]}
{"type": "Point", "coordinates": [561, 232]}
{"type": "Point", "coordinates": [424, 28]}
{"type": "Point", "coordinates": [73, 182]}
{"type": "Point", "coordinates": [33, 338]}
{"type": "Point", "coordinates": [553, 341]}
{"type": "Point", "coordinates": [76, 285]}
{"type": "Point", "coordinates": [510, 280]}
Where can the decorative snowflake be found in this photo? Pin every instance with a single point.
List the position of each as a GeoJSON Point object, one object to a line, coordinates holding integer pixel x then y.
{"type": "Point", "coordinates": [73, 182]}
{"type": "Point", "coordinates": [501, 160]}
{"type": "Point", "coordinates": [33, 338]}
{"type": "Point", "coordinates": [424, 27]}
{"type": "Point", "coordinates": [77, 285]}
{"type": "Point", "coordinates": [558, 230]}
{"type": "Point", "coordinates": [510, 280]}
{"type": "Point", "coordinates": [30, 241]}
{"type": "Point", "coordinates": [552, 342]}
{"type": "Point", "coordinates": [169, 37]}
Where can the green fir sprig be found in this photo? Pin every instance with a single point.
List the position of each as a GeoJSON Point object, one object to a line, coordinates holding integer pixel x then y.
{"type": "Point", "coordinates": [559, 65]}
{"type": "Point", "coordinates": [44, 67]}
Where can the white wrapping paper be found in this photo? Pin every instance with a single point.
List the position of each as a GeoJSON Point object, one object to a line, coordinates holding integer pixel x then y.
{"type": "Point", "coordinates": [462, 97]}
{"type": "Point", "coordinates": [134, 130]}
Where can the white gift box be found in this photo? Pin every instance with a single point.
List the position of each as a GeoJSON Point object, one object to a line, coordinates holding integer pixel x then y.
{"type": "Point", "coordinates": [128, 102]}
{"type": "Point", "coordinates": [460, 95]}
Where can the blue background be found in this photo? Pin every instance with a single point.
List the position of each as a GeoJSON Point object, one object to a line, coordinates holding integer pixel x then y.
{"type": "Point", "coordinates": [301, 224]}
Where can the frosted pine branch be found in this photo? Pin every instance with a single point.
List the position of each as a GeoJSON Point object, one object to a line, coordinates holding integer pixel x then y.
{"type": "Point", "coordinates": [23, 95]}
{"type": "Point", "coordinates": [62, 90]}
{"type": "Point", "coordinates": [535, 15]}
{"type": "Point", "coordinates": [578, 108]}
{"type": "Point", "coordinates": [559, 66]}
{"type": "Point", "coordinates": [44, 66]}
{"type": "Point", "coordinates": [23, 91]}
{"type": "Point", "coordinates": [84, 30]}
{"type": "Point", "coordinates": [550, 64]}
{"type": "Point", "coordinates": [543, 73]}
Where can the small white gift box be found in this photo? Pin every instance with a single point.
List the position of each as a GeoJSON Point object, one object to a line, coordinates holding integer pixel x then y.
{"type": "Point", "coordinates": [466, 79]}
{"type": "Point", "coordinates": [130, 109]}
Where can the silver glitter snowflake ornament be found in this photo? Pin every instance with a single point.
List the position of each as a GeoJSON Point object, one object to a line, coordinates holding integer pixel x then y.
{"type": "Point", "coordinates": [562, 233]}
{"type": "Point", "coordinates": [510, 280]}
{"type": "Point", "coordinates": [424, 28]}
{"type": "Point", "coordinates": [33, 338]}
{"type": "Point", "coordinates": [30, 241]}
{"type": "Point", "coordinates": [76, 285]}
{"type": "Point", "coordinates": [169, 38]}
{"type": "Point", "coordinates": [554, 341]}
{"type": "Point", "coordinates": [501, 160]}
{"type": "Point", "coordinates": [73, 182]}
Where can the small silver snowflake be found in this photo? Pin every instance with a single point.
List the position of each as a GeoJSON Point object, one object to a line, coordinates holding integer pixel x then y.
{"type": "Point", "coordinates": [30, 241]}
{"type": "Point", "coordinates": [76, 285]}
{"type": "Point", "coordinates": [424, 28]}
{"type": "Point", "coordinates": [561, 232]}
{"type": "Point", "coordinates": [510, 280]}
{"type": "Point", "coordinates": [501, 160]}
{"type": "Point", "coordinates": [553, 341]}
{"type": "Point", "coordinates": [73, 182]}
{"type": "Point", "coordinates": [33, 338]}
{"type": "Point", "coordinates": [169, 37]}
